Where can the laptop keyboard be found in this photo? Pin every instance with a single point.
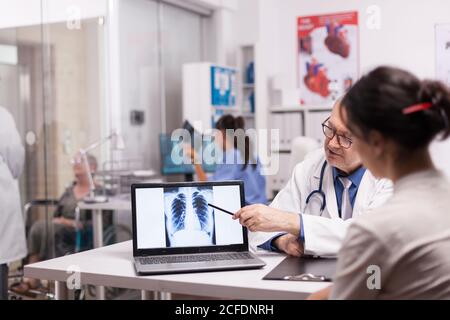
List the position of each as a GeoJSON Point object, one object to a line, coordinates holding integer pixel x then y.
{"type": "Point", "coordinates": [196, 258]}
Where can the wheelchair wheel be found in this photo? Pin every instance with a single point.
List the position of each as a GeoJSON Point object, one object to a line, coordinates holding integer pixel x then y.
{"type": "Point", "coordinates": [116, 233]}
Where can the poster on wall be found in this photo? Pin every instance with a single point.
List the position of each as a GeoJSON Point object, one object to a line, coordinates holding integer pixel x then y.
{"type": "Point", "coordinates": [223, 87]}
{"type": "Point", "coordinates": [328, 56]}
{"type": "Point", "coordinates": [443, 53]}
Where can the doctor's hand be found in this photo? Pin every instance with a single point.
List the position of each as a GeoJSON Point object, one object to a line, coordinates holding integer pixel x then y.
{"type": "Point", "coordinates": [289, 244]}
{"type": "Point", "coordinates": [259, 217]}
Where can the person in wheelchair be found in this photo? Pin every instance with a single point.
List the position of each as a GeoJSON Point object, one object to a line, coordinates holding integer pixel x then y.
{"type": "Point", "coordinates": [65, 224]}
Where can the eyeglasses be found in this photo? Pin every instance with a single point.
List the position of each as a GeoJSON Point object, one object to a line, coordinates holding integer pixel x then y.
{"type": "Point", "coordinates": [329, 132]}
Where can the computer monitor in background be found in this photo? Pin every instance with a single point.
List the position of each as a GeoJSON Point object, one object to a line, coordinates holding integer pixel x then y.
{"type": "Point", "coordinates": [188, 126]}
{"type": "Point", "coordinates": [169, 166]}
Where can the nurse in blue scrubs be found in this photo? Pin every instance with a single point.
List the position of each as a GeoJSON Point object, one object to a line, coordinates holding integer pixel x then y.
{"type": "Point", "coordinates": [238, 161]}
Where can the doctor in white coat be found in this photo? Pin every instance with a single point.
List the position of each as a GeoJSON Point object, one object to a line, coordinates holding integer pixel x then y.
{"type": "Point", "coordinates": [313, 219]}
{"type": "Point", "coordinates": [12, 230]}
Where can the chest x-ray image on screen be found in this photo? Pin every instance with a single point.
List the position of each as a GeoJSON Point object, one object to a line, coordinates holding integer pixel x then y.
{"type": "Point", "coordinates": [178, 215]}
{"type": "Point", "coordinates": [188, 218]}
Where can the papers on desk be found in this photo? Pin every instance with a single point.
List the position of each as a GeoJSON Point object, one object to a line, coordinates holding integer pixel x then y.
{"type": "Point", "coordinates": [144, 173]}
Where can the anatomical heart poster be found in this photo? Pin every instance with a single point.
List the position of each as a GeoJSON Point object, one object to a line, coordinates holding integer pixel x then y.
{"type": "Point", "coordinates": [328, 56]}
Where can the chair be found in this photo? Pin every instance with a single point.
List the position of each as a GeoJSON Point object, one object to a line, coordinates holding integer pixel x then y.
{"type": "Point", "coordinates": [83, 241]}
{"type": "Point", "coordinates": [300, 147]}
{"type": "Point", "coordinates": [81, 234]}
{"type": "Point", "coordinates": [48, 204]}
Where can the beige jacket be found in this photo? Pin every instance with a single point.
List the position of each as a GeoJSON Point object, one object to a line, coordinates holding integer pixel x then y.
{"type": "Point", "coordinates": [406, 242]}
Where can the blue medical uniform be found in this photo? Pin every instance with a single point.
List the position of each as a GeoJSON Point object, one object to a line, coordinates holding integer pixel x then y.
{"type": "Point", "coordinates": [254, 181]}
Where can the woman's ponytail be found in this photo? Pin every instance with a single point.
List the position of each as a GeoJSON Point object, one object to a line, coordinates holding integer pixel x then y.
{"type": "Point", "coordinates": [439, 113]}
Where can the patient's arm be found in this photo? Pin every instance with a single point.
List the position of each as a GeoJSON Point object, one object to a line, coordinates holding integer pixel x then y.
{"type": "Point", "coordinates": [201, 175]}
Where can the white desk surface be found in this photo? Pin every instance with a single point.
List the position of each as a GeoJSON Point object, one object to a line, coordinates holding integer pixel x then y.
{"type": "Point", "coordinates": [113, 266]}
{"type": "Point", "coordinates": [111, 204]}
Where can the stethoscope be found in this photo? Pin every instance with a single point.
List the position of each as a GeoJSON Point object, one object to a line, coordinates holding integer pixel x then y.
{"type": "Point", "coordinates": [319, 191]}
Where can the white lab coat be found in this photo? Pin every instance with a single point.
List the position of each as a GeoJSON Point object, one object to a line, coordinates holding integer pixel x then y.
{"type": "Point", "coordinates": [12, 157]}
{"type": "Point", "coordinates": [323, 234]}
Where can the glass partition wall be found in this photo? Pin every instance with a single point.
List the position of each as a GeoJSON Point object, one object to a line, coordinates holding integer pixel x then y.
{"type": "Point", "coordinates": [53, 90]}
{"type": "Point", "coordinates": [79, 70]}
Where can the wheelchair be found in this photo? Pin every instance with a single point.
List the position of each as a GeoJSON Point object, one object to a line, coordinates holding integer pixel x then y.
{"type": "Point", "coordinates": [83, 241]}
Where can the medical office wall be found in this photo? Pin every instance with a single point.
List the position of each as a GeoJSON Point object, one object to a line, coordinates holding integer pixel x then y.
{"type": "Point", "coordinates": [152, 41]}
{"type": "Point", "coordinates": [399, 33]}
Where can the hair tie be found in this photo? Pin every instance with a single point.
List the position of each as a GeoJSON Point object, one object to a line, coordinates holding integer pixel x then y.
{"type": "Point", "coordinates": [417, 107]}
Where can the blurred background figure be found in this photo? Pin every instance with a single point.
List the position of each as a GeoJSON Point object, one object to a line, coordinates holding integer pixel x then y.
{"type": "Point", "coordinates": [65, 224]}
{"type": "Point", "coordinates": [12, 229]}
{"type": "Point", "coordinates": [239, 161]}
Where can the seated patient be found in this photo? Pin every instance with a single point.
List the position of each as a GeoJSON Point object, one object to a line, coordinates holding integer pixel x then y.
{"type": "Point", "coordinates": [64, 223]}
{"type": "Point", "coordinates": [402, 249]}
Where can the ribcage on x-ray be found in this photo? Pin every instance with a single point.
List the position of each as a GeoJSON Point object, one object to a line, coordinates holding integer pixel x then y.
{"type": "Point", "coordinates": [179, 212]}
{"type": "Point", "coordinates": [201, 209]}
{"type": "Point", "coordinates": [189, 219]}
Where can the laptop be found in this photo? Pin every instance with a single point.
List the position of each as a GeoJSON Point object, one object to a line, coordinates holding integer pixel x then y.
{"type": "Point", "coordinates": [185, 227]}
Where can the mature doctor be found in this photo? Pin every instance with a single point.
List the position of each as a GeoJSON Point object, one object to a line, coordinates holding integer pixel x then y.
{"type": "Point", "coordinates": [326, 190]}
{"type": "Point", "coordinates": [12, 230]}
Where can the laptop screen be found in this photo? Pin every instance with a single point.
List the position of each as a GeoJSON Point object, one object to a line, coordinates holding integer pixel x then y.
{"type": "Point", "coordinates": [174, 216]}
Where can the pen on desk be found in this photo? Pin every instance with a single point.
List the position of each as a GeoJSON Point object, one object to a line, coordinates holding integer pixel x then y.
{"type": "Point", "coordinates": [218, 208]}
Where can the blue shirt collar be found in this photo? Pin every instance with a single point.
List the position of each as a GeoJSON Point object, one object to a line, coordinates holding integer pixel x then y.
{"type": "Point", "coordinates": [355, 177]}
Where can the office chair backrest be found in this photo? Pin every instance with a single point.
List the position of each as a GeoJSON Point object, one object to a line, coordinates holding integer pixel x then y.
{"type": "Point", "coordinates": [300, 147]}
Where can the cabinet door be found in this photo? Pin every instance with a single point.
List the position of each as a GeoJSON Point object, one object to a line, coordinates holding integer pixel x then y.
{"type": "Point", "coordinates": [313, 122]}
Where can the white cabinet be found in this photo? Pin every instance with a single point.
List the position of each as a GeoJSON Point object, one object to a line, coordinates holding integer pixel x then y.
{"type": "Point", "coordinates": [313, 120]}
{"type": "Point", "coordinates": [290, 125]}
{"type": "Point", "coordinates": [277, 181]}
{"type": "Point", "coordinates": [247, 84]}
{"type": "Point", "coordinates": [292, 121]}
{"type": "Point", "coordinates": [209, 90]}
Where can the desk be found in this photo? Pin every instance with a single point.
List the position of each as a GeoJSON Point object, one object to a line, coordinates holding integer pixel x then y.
{"type": "Point", "coordinates": [97, 223]}
{"type": "Point", "coordinates": [97, 215]}
{"type": "Point", "coordinates": [113, 266]}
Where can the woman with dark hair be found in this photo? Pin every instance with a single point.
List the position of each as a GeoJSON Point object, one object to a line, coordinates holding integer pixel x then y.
{"type": "Point", "coordinates": [402, 249]}
{"type": "Point", "coordinates": [239, 162]}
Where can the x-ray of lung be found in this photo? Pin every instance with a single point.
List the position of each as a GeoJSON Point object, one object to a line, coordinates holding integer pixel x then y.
{"type": "Point", "coordinates": [189, 220]}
